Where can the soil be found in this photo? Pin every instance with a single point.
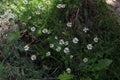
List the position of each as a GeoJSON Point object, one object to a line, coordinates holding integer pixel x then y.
{"type": "Point", "coordinates": [7, 24]}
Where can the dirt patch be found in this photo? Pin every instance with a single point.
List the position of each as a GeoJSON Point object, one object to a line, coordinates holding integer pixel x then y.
{"type": "Point", "coordinates": [7, 24]}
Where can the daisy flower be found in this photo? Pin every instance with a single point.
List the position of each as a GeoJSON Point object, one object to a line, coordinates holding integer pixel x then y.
{"type": "Point", "coordinates": [25, 1]}
{"type": "Point", "coordinates": [69, 24]}
{"type": "Point", "coordinates": [33, 29]}
{"type": "Point", "coordinates": [45, 31]}
{"type": "Point", "coordinates": [89, 47]}
{"type": "Point", "coordinates": [61, 6]}
{"type": "Point", "coordinates": [58, 6]}
{"type": "Point", "coordinates": [26, 48]}
{"type": "Point", "coordinates": [85, 29]}
{"type": "Point", "coordinates": [68, 70]}
{"type": "Point", "coordinates": [66, 43]}
{"type": "Point", "coordinates": [33, 57]}
{"type": "Point", "coordinates": [58, 49]}
{"type": "Point", "coordinates": [47, 2]}
{"type": "Point", "coordinates": [48, 54]}
{"type": "Point", "coordinates": [75, 40]}
{"type": "Point", "coordinates": [85, 60]}
{"type": "Point", "coordinates": [41, 7]}
{"type": "Point", "coordinates": [56, 37]}
{"type": "Point", "coordinates": [51, 45]}
{"type": "Point", "coordinates": [95, 39]}
{"type": "Point", "coordinates": [61, 42]}
{"type": "Point", "coordinates": [67, 50]}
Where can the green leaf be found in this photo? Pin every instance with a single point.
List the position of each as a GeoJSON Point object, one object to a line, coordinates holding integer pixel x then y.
{"type": "Point", "coordinates": [102, 64]}
{"type": "Point", "coordinates": [65, 76]}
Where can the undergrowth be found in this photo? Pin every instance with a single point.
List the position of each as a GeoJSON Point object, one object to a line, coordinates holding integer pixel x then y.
{"type": "Point", "coordinates": [61, 39]}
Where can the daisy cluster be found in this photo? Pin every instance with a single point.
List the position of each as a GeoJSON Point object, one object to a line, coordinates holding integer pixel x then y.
{"type": "Point", "coordinates": [60, 45]}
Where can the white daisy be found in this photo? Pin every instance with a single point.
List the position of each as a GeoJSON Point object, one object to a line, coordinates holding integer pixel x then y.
{"type": "Point", "coordinates": [96, 39]}
{"type": "Point", "coordinates": [48, 54]}
{"type": "Point", "coordinates": [51, 45]}
{"type": "Point", "coordinates": [89, 47]}
{"type": "Point", "coordinates": [45, 31]}
{"type": "Point", "coordinates": [33, 29]}
{"type": "Point", "coordinates": [48, 2]}
{"type": "Point", "coordinates": [33, 57]}
{"type": "Point", "coordinates": [58, 6]}
{"type": "Point", "coordinates": [66, 43]}
{"type": "Point", "coordinates": [67, 50]}
{"type": "Point", "coordinates": [58, 49]}
{"type": "Point", "coordinates": [75, 40]}
{"type": "Point", "coordinates": [26, 48]}
{"type": "Point", "coordinates": [85, 60]}
{"type": "Point", "coordinates": [41, 7]}
{"type": "Point", "coordinates": [85, 29]}
{"type": "Point", "coordinates": [61, 6]}
{"type": "Point", "coordinates": [25, 1]}
{"type": "Point", "coordinates": [61, 42]}
{"type": "Point", "coordinates": [68, 70]}
{"type": "Point", "coordinates": [56, 37]}
{"type": "Point", "coordinates": [69, 24]}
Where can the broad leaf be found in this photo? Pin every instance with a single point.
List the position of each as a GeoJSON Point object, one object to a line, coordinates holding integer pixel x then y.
{"type": "Point", "coordinates": [102, 64]}
{"type": "Point", "coordinates": [65, 76]}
